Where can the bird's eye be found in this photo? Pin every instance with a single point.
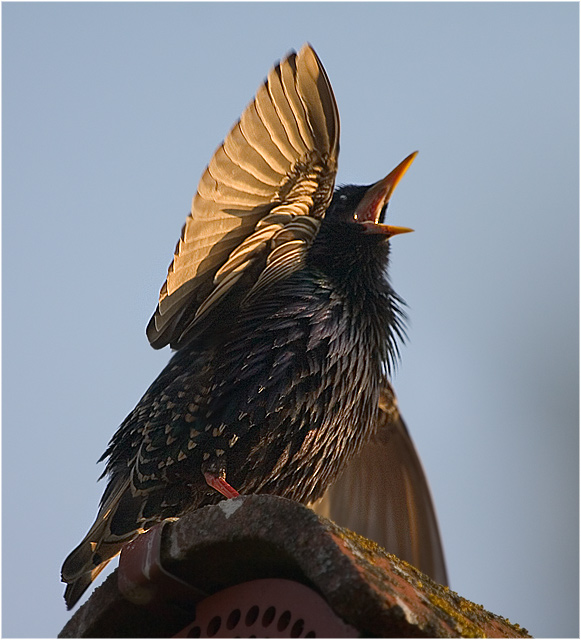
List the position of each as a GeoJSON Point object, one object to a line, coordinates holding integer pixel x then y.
{"type": "Point", "coordinates": [343, 197]}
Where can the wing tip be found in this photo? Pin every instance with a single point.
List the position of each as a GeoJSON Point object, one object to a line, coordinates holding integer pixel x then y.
{"type": "Point", "coordinates": [154, 336]}
{"type": "Point", "coordinates": [308, 54]}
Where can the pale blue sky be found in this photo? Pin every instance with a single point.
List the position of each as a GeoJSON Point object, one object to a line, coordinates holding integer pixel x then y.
{"type": "Point", "coordinates": [110, 113]}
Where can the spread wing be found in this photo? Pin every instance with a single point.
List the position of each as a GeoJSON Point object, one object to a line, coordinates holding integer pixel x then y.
{"type": "Point", "coordinates": [383, 495]}
{"type": "Point", "coordinates": [260, 199]}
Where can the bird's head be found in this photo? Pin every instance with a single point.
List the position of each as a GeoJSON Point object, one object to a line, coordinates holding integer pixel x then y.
{"type": "Point", "coordinates": [353, 237]}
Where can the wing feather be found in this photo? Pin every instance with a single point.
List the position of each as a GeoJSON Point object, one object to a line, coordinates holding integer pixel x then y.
{"type": "Point", "coordinates": [267, 136]}
{"type": "Point", "coordinates": [281, 263]}
{"type": "Point", "coordinates": [323, 117]}
{"type": "Point", "coordinates": [228, 172]}
{"type": "Point", "coordinates": [270, 118]}
{"type": "Point", "coordinates": [383, 495]}
{"type": "Point", "coordinates": [288, 74]}
{"type": "Point", "coordinates": [285, 113]}
{"type": "Point", "coordinates": [277, 164]}
{"type": "Point", "coordinates": [239, 150]}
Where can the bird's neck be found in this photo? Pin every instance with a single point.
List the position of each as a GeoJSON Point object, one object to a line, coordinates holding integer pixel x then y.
{"type": "Point", "coordinates": [352, 260]}
{"type": "Point", "coordinates": [353, 265]}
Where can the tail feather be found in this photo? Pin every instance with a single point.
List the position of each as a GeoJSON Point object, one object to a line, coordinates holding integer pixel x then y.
{"type": "Point", "coordinates": [97, 549]}
{"type": "Point", "coordinates": [79, 585]}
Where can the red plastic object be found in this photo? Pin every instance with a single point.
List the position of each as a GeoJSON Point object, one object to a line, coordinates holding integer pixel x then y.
{"type": "Point", "coordinates": [142, 578]}
{"type": "Point", "coordinates": [269, 608]}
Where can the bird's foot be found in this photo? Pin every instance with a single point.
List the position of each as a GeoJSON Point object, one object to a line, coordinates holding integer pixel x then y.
{"type": "Point", "coordinates": [220, 484]}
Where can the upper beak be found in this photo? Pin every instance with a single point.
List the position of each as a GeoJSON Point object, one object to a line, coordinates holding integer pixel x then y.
{"type": "Point", "coordinates": [377, 196]}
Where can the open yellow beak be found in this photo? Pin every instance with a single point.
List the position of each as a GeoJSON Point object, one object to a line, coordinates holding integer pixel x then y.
{"type": "Point", "coordinates": [377, 196]}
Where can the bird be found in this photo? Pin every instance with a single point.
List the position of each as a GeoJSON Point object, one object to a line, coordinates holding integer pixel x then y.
{"type": "Point", "coordinates": [285, 330]}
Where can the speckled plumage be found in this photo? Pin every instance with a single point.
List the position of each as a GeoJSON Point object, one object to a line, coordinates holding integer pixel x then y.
{"type": "Point", "coordinates": [263, 402]}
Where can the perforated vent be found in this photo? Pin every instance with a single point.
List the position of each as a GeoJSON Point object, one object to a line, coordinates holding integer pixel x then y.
{"type": "Point", "coordinates": [266, 609]}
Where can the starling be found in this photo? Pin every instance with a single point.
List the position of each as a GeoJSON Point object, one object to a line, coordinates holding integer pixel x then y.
{"type": "Point", "coordinates": [284, 325]}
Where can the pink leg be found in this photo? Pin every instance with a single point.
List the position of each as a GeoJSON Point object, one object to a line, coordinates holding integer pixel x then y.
{"type": "Point", "coordinates": [220, 485]}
